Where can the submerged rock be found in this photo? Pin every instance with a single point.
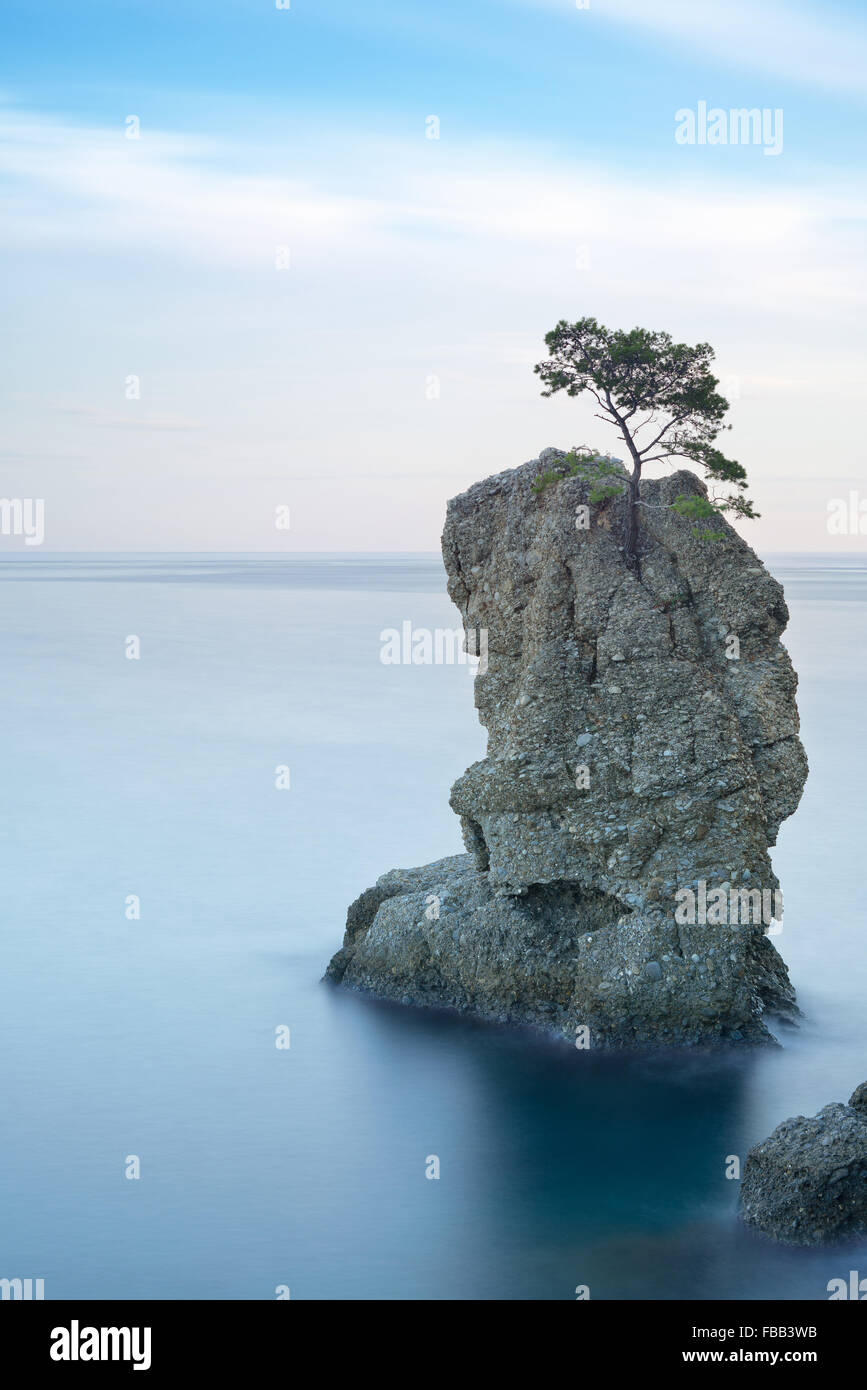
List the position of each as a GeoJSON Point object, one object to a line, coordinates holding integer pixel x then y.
{"type": "Point", "coordinates": [807, 1183]}
{"type": "Point", "coordinates": [642, 751]}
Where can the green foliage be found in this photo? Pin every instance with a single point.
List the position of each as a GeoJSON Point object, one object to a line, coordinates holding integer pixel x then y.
{"type": "Point", "coordinates": [660, 395]}
{"type": "Point", "coordinates": [597, 469]}
{"type": "Point", "coordinates": [698, 509]}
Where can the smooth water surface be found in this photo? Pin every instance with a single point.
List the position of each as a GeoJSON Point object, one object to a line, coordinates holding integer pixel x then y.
{"type": "Point", "coordinates": [156, 1037]}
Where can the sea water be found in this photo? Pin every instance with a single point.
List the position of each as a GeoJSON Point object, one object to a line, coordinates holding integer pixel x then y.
{"type": "Point", "coordinates": [181, 835]}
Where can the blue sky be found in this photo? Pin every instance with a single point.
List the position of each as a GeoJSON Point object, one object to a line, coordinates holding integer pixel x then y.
{"type": "Point", "coordinates": [390, 364]}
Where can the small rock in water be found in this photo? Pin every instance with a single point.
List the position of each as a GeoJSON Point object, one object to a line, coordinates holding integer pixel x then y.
{"type": "Point", "coordinates": [858, 1099]}
{"type": "Point", "coordinates": [807, 1183]}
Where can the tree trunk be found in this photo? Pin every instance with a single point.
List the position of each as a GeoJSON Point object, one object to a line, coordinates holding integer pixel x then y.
{"type": "Point", "coordinates": [630, 550]}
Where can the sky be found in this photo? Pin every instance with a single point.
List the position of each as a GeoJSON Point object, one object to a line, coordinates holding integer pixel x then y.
{"type": "Point", "coordinates": [304, 258]}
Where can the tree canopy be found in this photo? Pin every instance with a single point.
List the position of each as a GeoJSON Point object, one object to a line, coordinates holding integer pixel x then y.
{"type": "Point", "coordinates": [662, 398]}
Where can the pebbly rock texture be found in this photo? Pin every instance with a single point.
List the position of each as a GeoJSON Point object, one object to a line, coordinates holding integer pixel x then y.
{"type": "Point", "coordinates": [807, 1183]}
{"type": "Point", "coordinates": [642, 740]}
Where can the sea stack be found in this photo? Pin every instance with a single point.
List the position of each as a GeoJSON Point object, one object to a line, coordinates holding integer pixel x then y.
{"type": "Point", "coordinates": [643, 751]}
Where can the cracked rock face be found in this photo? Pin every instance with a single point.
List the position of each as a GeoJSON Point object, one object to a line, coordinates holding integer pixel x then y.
{"type": "Point", "coordinates": [642, 742]}
{"type": "Point", "coordinates": [807, 1183]}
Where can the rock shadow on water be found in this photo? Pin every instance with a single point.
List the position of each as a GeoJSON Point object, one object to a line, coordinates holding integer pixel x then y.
{"type": "Point", "coordinates": [555, 1148]}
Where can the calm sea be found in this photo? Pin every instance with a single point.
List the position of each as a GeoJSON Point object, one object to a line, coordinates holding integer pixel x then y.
{"type": "Point", "coordinates": [154, 1036]}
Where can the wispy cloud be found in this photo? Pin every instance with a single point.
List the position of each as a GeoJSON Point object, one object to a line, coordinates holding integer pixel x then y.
{"type": "Point", "coordinates": [469, 211]}
{"type": "Point", "coordinates": [111, 420]}
{"type": "Point", "coordinates": [91, 188]}
{"type": "Point", "coordinates": [411, 262]}
{"type": "Point", "coordinates": [815, 47]}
